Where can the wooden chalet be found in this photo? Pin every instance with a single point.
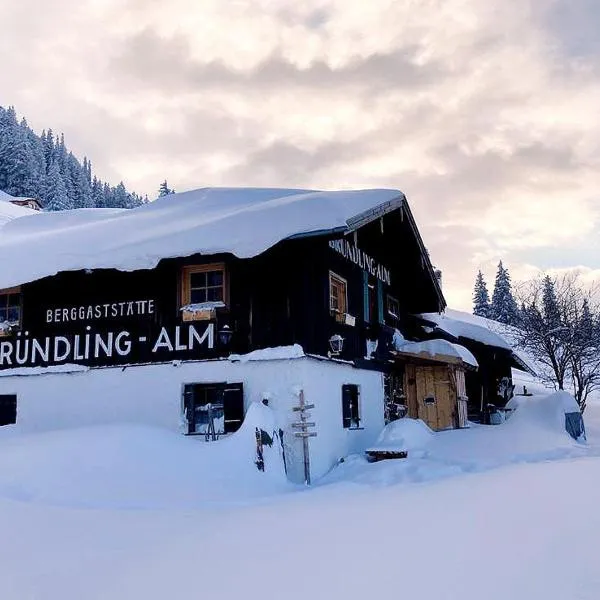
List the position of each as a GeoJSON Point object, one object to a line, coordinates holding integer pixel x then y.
{"type": "Point", "coordinates": [207, 281]}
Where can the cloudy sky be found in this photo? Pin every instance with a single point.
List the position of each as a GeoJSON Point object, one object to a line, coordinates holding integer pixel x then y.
{"type": "Point", "coordinates": [486, 113]}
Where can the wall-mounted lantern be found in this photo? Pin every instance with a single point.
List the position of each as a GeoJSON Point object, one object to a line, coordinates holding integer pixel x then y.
{"type": "Point", "coordinates": [225, 334]}
{"type": "Point", "coordinates": [336, 343]}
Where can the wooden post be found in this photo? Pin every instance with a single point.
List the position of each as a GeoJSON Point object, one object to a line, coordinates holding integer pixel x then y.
{"type": "Point", "coordinates": [305, 450]}
{"type": "Point", "coordinates": [303, 426]}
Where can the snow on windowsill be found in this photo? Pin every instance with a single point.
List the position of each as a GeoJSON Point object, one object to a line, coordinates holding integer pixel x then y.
{"type": "Point", "coordinates": [200, 306]}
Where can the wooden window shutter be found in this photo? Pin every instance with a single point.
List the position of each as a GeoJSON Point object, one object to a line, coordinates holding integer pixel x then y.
{"type": "Point", "coordinates": [188, 406]}
{"type": "Point", "coordinates": [8, 409]}
{"type": "Point", "coordinates": [381, 309]}
{"type": "Point", "coordinates": [347, 393]}
{"type": "Point", "coordinates": [366, 312]}
{"type": "Point", "coordinates": [233, 406]}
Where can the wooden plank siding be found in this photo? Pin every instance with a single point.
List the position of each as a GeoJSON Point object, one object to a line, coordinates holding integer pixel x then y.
{"type": "Point", "coordinates": [437, 382]}
{"type": "Point", "coordinates": [280, 297]}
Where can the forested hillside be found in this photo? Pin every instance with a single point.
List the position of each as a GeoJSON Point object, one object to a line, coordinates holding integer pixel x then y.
{"type": "Point", "coordinates": [41, 166]}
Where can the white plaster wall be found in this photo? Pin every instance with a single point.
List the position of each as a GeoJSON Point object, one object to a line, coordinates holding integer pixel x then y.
{"type": "Point", "coordinates": [323, 388]}
{"type": "Point", "coordinates": [151, 394]}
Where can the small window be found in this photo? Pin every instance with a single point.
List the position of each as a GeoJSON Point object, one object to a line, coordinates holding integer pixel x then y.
{"type": "Point", "coordinates": [10, 309]}
{"type": "Point", "coordinates": [213, 409]}
{"type": "Point", "coordinates": [351, 406]}
{"type": "Point", "coordinates": [393, 307]}
{"type": "Point", "coordinates": [8, 409]}
{"type": "Point", "coordinates": [338, 294]}
{"type": "Point", "coordinates": [204, 285]}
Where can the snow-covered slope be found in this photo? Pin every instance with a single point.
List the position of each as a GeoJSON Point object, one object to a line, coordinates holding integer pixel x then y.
{"type": "Point", "coordinates": [243, 221]}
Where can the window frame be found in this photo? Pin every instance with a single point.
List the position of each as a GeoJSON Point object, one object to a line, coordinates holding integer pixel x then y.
{"type": "Point", "coordinates": [4, 294]}
{"type": "Point", "coordinates": [355, 419]}
{"type": "Point", "coordinates": [388, 311]}
{"type": "Point", "coordinates": [344, 284]}
{"type": "Point", "coordinates": [190, 401]}
{"type": "Point", "coordinates": [186, 287]}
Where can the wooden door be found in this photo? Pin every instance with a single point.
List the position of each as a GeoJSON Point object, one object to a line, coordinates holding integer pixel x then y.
{"type": "Point", "coordinates": [431, 396]}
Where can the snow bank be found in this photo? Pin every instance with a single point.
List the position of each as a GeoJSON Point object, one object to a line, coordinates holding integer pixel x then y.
{"type": "Point", "coordinates": [535, 432]}
{"type": "Point", "coordinates": [243, 221]}
{"type": "Point", "coordinates": [404, 434]}
{"type": "Point", "coordinates": [131, 466]}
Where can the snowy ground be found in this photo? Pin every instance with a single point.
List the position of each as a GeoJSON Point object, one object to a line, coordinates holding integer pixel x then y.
{"type": "Point", "coordinates": [135, 513]}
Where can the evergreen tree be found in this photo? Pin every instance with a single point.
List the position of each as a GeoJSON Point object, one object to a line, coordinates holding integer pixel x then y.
{"type": "Point", "coordinates": [550, 304]}
{"type": "Point", "coordinates": [121, 197]}
{"type": "Point", "coordinates": [56, 192]}
{"type": "Point", "coordinates": [42, 167]}
{"type": "Point", "coordinates": [503, 307]}
{"type": "Point", "coordinates": [481, 297]}
{"type": "Point", "coordinates": [164, 189]}
{"type": "Point", "coordinates": [97, 193]}
{"type": "Point", "coordinates": [16, 159]}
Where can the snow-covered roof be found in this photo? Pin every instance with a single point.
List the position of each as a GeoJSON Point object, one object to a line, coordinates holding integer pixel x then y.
{"type": "Point", "coordinates": [9, 211]}
{"type": "Point", "coordinates": [460, 324]}
{"type": "Point", "coordinates": [439, 349]}
{"type": "Point", "coordinates": [243, 221]}
{"type": "Point", "coordinates": [436, 349]}
{"type": "Point", "coordinates": [4, 197]}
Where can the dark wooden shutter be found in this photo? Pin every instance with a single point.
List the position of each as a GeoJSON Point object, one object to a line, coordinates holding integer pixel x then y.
{"type": "Point", "coordinates": [381, 308]}
{"type": "Point", "coordinates": [366, 311]}
{"type": "Point", "coordinates": [347, 405]}
{"type": "Point", "coordinates": [8, 409]}
{"type": "Point", "coordinates": [188, 406]}
{"type": "Point", "coordinates": [233, 404]}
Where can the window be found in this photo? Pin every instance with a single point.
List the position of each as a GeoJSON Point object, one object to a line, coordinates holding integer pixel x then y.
{"type": "Point", "coordinates": [393, 307]}
{"type": "Point", "coordinates": [8, 409]}
{"type": "Point", "coordinates": [338, 294]}
{"type": "Point", "coordinates": [350, 406]}
{"type": "Point", "coordinates": [10, 307]}
{"type": "Point", "coordinates": [204, 283]}
{"type": "Point", "coordinates": [213, 409]}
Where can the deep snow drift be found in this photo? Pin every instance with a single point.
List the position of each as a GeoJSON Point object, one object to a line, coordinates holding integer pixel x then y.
{"type": "Point", "coordinates": [521, 531]}
{"type": "Point", "coordinates": [535, 432]}
{"type": "Point", "coordinates": [139, 467]}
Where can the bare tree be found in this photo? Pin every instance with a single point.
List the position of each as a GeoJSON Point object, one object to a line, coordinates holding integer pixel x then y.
{"type": "Point", "coordinates": [559, 326]}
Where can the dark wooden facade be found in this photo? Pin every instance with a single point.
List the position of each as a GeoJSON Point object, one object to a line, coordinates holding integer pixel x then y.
{"type": "Point", "coordinates": [280, 297]}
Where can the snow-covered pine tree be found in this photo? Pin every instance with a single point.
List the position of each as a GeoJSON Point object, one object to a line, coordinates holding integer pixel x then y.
{"type": "Point", "coordinates": [26, 160]}
{"type": "Point", "coordinates": [481, 297]}
{"type": "Point", "coordinates": [56, 190]}
{"type": "Point", "coordinates": [550, 304]}
{"type": "Point", "coordinates": [37, 165]}
{"type": "Point", "coordinates": [164, 189]}
{"type": "Point", "coordinates": [121, 197]}
{"type": "Point", "coordinates": [503, 307]}
{"type": "Point", "coordinates": [84, 189]}
{"type": "Point", "coordinates": [16, 159]}
{"type": "Point", "coordinates": [49, 149]}
{"type": "Point", "coordinates": [72, 177]}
